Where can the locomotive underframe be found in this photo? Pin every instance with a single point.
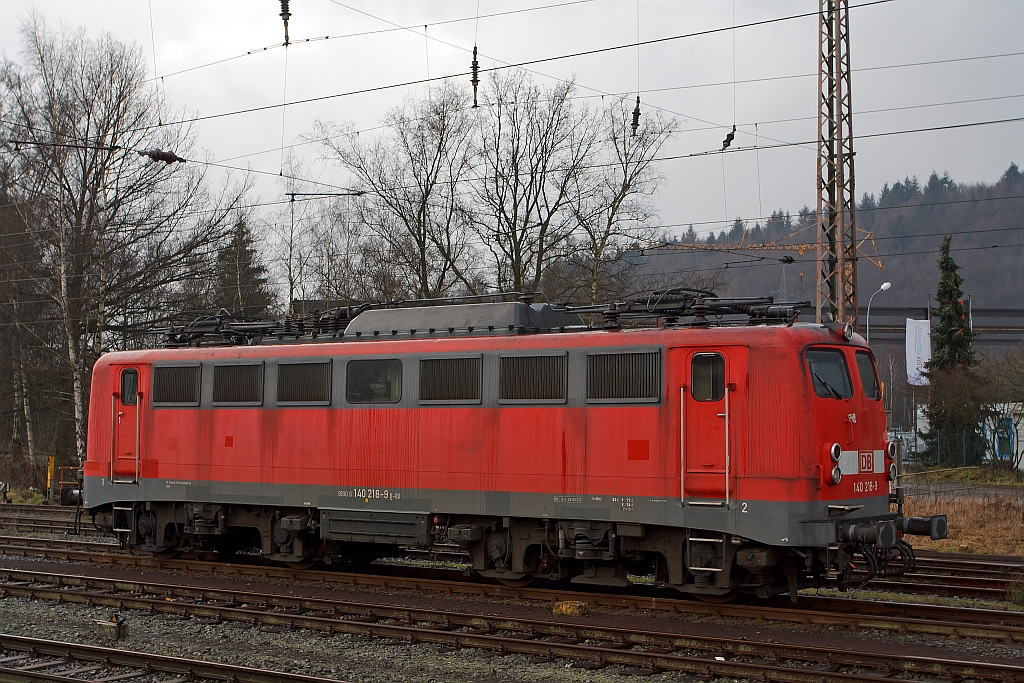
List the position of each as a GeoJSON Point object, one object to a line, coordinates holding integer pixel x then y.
{"type": "Point", "coordinates": [706, 562]}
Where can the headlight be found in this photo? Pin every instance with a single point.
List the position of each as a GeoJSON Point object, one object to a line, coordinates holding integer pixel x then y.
{"type": "Point", "coordinates": [892, 471]}
{"type": "Point", "coordinates": [837, 475]}
{"type": "Point", "coordinates": [890, 450]}
{"type": "Point", "coordinates": [836, 452]}
{"type": "Point", "coordinates": [848, 331]}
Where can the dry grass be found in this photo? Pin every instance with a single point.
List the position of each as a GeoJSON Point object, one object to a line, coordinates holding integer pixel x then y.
{"type": "Point", "coordinates": [26, 497]}
{"type": "Point", "coordinates": [980, 521]}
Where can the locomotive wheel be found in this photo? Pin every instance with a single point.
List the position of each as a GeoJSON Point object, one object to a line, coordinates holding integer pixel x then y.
{"type": "Point", "coordinates": [517, 583]}
{"type": "Point", "coordinates": [166, 554]}
{"type": "Point", "coordinates": [715, 599]}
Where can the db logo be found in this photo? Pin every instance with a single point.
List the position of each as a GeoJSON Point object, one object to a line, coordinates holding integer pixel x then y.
{"type": "Point", "coordinates": [867, 461]}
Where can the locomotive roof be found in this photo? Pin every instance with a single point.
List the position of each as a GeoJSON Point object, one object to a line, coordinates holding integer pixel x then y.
{"type": "Point", "coordinates": [452, 317]}
{"type": "Point", "coordinates": [795, 335]}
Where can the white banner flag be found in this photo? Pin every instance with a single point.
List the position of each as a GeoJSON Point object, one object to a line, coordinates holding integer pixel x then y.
{"type": "Point", "coordinates": [919, 351]}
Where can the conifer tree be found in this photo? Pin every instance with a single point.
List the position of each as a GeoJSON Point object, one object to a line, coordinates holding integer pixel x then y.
{"type": "Point", "coordinates": [241, 278]}
{"type": "Point", "coordinates": [954, 338]}
{"type": "Point", "coordinates": [956, 397]}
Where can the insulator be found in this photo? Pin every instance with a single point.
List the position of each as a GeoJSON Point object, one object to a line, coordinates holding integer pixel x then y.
{"type": "Point", "coordinates": [286, 15]}
{"type": "Point", "coordinates": [636, 116]}
{"type": "Point", "coordinates": [729, 138]}
{"type": "Point", "coordinates": [475, 79]}
{"type": "Point", "coordinates": [161, 155]}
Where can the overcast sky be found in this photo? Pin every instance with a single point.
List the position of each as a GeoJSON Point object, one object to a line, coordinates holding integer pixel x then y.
{"type": "Point", "coordinates": [689, 78]}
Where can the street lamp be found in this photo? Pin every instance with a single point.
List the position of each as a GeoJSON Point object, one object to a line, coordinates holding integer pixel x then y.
{"type": "Point", "coordinates": [885, 286]}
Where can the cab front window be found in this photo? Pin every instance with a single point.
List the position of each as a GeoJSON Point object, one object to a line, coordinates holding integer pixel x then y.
{"type": "Point", "coordinates": [868, 376]}
{"type": "Point", "coordinates": [829, 373]}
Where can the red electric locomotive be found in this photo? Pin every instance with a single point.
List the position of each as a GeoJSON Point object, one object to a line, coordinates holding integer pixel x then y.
{"type": "Point", "coordinates": [730, 449]}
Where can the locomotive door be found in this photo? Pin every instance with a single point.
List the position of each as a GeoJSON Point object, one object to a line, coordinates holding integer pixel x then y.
{"type": "Point", "coordinates": [125, 415]}
{"type": "Point", "coordinates": [708, 418]}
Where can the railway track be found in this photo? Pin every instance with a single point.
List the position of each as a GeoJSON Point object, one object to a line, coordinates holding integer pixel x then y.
{"type": "Point", "coordinates": [996, 578]}
{"type": "Point", "coordinates": [992, 625]}
{"type": "Point", "coordinates": [39, 518]}
{"type": "Point", "coordinates": [586, 645]}
{"type": "Point", "coordinates": [30, 659]}
{"type": "Point", "coordinates": [958, 575]}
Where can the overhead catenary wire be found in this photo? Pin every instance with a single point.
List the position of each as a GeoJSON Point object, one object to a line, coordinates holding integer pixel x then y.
{"type": "Point", "coordinates": [360, 34]}
{"type": "Point", "coordinates": [474, 67]}
{"type": "Point", "coordinates": [692, 155]}
{"type": "Point", "coordinates": [636, 111]}
{"type": "Point", "coordinates": [310, 196]}
{"type": "Point", "coordinates": [284, 108]}
{"type": "Point", "coordinates": [522, 64]}
{"type": "Point", "coordinates": [880, 67]}
{"type": "Point", "coordinates": [506, 65]}
{"type": "Point", "coordinates": [683, 130]}
{"type": "Point", "coordinates": [152, 40]}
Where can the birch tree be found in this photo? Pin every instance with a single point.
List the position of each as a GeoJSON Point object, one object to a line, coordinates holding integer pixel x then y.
{"type": "Point", "coordinates": [114, 233]}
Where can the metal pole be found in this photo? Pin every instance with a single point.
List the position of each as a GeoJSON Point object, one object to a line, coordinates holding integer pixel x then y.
{"type": "Point", "coordinates": [885, 286]}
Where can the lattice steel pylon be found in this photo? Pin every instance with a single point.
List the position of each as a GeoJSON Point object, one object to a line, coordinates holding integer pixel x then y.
{"type": "Point", "coordinates": [837, 226]}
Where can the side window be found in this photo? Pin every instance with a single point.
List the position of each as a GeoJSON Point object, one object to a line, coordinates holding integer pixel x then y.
{"type": "Point", "coordinates": [374, 381]}
{"type": "Point", "coordinates": [129, 387]}
{"type": "Point", "coordinates": [707, 377]}
{"type": "Point", "coordinates": [624, 377]}
{"type": "Point", "coordinates": [829, 374]}
{"type": "Point", "coordinates": [868, 377]}
{"type": "Point", "coordinates": [450, 380]}
{"type": "Point", "coordinates": [531, 379]}
{"type": "Point", "coordinates": [176, 385]}
{"type": "Point", "coordinates": [238, 384]}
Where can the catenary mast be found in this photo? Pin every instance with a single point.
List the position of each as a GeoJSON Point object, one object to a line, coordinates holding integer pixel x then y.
{"type": "Point", "coordinates": [837, 229]}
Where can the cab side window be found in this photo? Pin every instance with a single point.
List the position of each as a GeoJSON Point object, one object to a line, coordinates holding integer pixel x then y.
{"type": "Point", "coordinates": [868, 377]}
{"type": "Point", "coordinates": [829, 373]}
{"type": "Point", "coordinates": [129, 387]}
{"type": "Point", "coordinates": [707, 377]}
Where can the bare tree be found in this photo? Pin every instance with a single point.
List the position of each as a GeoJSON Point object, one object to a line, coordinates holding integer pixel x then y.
{"type": "Point", "coordinates": [114, 235]}
{"type": "Point", "coordinates": [535, 148]}
{"type": "Point", "coordinates": [612, 203]}
{"type": "Point", "coordinates": [412, 179]}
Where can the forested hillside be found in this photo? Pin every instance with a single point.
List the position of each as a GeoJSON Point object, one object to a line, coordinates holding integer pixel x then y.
{"type": "Point", "coordinates": [906, 222]}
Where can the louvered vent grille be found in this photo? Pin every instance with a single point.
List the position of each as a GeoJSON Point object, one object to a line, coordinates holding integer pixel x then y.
{"type": "Point", "coordinates": [532, 378]}
{"type": "Point", "coordinates": [304, 382]}
{"type": "Point", "coordinates": [450, 379]}
{"type": "Point", "coordinates": [176, 385]}
{"type": "Point", "coordinates": [238, 384]}
{"type": "Point", "coordinates": [624, 376]}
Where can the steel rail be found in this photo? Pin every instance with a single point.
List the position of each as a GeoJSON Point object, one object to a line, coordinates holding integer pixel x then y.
{"type": "Point", "coordinates": [36, 524]}
{"type": "Point", "coordinates": [844, 613]}
{"type": "Point", "coordinates": [44, 510]}
{"type": "Point", "coordinates": [65, 549]}
{"type": "Point", "coordinates": [545, 638]}
{"type": "Point", "coordinates": [25, 660]}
